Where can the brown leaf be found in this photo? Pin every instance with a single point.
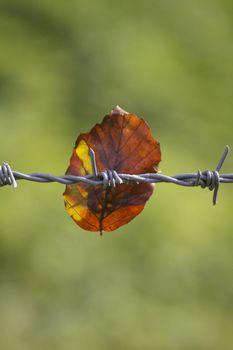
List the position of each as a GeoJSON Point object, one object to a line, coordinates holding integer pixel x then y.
{"type": "Point", "coordinates": [122, 142]}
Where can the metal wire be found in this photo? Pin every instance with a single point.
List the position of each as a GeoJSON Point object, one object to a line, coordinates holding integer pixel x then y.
{"type": "Point", "coordinates": [110, 178]}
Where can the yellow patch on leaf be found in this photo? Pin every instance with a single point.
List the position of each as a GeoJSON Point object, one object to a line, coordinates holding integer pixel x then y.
{"type": "Point", "coordinates": [76, 211]}
{"type": "Point", "coordinates": [82, 151]}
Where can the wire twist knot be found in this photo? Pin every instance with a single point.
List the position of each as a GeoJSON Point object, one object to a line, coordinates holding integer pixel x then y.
{"type": "Point", "coordinates": [110, 178]}
{"type": "Point", "coordinates": [209, 179]}
{"type": "Point", "coordinates": [6, 176]}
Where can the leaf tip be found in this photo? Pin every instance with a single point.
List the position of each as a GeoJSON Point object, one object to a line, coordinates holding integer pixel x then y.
{"type": "Point", "coordinates": [118, 110]}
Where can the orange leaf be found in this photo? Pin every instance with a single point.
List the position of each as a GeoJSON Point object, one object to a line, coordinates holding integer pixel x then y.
{"type": "Point", "coordinates": [122, 142]}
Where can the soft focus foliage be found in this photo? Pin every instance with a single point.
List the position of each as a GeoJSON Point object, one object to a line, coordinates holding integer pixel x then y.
{"type": "Point", "coordinates": [164, 281]}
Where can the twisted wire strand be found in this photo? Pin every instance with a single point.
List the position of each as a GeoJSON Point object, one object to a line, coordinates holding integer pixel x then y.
{"type": "Point", "coordinates": [110, 178]}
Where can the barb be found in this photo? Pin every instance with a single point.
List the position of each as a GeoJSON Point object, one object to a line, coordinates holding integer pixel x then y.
{"type": "Point", "coordinates": [110, 178]}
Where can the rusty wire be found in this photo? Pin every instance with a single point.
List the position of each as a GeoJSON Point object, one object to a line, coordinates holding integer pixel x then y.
{"type": "Point", "coordinates": [110, 178]}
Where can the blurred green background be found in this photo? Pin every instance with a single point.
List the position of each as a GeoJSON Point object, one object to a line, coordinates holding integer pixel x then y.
{"type": "Point", "coordinates": [165, 280]}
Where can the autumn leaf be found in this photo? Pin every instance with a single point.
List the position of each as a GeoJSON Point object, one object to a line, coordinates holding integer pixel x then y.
{"type": "Point", "coordinates": [122, 142]}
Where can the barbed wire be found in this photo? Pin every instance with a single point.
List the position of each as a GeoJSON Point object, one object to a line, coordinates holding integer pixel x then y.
{"type": "Point", "coordinates": [110, 178]}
